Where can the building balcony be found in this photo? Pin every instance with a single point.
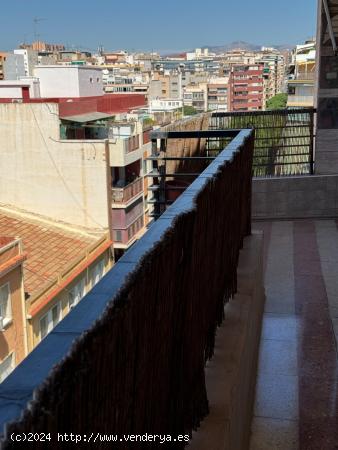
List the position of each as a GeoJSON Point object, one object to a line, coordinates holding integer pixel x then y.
{"type": "Point", "coordinates": [127, 194]}
{"type": "Point", "coordinates": [125, 151]}
{"type": "Point", "coordinates": [140, 325]}
{"type": "Point", "coordinates": [302, 76]}
{"type": "Point", "coordinates": [175, 293]}
{"type": "Point", "coordinates": [247, 73]}
{"type": "Point", "coordinates": [247, 88]}
{"type": "Point", "coordinates": [125, 237]}
{"type": "Point", "coordinates": [249, 96]}
{"type": "Point", "coordinates": [300, 100]}
{"type": "Point", "coordinates": [146, 136]}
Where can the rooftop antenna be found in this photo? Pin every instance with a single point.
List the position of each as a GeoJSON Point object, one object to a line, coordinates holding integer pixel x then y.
{"type": "Point", "coordinates": [36, 21]}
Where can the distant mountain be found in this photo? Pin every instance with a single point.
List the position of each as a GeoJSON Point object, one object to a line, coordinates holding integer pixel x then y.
{"type": "Point", "coordinates": [244, 46]}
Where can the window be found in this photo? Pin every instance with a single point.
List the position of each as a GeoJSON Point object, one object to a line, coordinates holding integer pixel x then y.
{"type": "Point", "coordinates": [50, 320]}
{"type": "Point", "coordinates": [43, 326]}
{"type": "Point", "coordinates": [5, 304]}
{"type": "Point", "coordinates": [118, 236]}
{"type": "Point", "coordinates": [76, 293]}
{"type": "Point", "coordinates": [6, 366]}
{"type": "Point", "coordinates": [97, 272]}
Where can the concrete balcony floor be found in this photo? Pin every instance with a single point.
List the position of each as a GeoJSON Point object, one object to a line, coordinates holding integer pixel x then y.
{"type": "Point", "coordinates": [296, 404]}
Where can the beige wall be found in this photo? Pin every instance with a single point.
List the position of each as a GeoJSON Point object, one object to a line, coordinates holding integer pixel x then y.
{"type": "Point", "coordinates": [12, 339]}
{"type": "Point", "coordinates": [63, 298]}
{"type": "Point", "coordinates": [63, 180]}
{"type": "Point", "coordinates": [118, 155]}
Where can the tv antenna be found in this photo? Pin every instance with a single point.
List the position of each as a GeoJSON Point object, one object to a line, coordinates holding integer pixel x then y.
{"type": "Point", "coordinates": [36, 22]}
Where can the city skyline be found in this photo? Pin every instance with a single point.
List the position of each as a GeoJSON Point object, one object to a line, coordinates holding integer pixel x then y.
{"type": "Point", "coordinates": [157, 27]}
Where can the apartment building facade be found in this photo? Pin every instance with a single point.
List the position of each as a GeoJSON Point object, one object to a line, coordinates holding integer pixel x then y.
{"type": "Point", "coordinates": [88, 192]}
{"type": "Point", "coordinates": [30, 59]}
{"type": "Point", "coordinates": [196, 96]}
{"type": "Point", "coordinates": [13, 337]}
{"type": "Point", "coordinates": [69, 81]}
{"type": "Point", "coordinates": [274, 65]}
{"type": "Point", "coordinates": [44, 272]}
{"type": "Point", "coordinates": [246, 87]}
{"type": "Point", "coordinates": [302, 74]}
{"type": "Point", "coordinates": [100, 155]}
{"type": "Point", "coordinates": [217, 92]}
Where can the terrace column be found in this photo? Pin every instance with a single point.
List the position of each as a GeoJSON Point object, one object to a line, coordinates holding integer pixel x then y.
{"type": "Point", "coordinates": [327, 88]}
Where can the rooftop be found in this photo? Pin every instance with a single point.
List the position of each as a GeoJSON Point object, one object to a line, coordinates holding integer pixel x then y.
{"type": "Point", "coordinates": [5, 83]}
{"type": "Point", "coordinates": [49, 248]}
{"type": "Point", "coordinates": [89, 117]}
{"type": "Point", "coordinates": [60, 66]}
{"type": "Point", "coordinates": [5, 240]}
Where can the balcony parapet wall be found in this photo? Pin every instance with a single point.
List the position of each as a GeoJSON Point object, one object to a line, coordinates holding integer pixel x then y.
{"type": "Point", "coordinates": [130, 357]}
{"type": "Point", "coordinates": [300, 197]}
{"type": "Point", "coordinates": [231, 375]}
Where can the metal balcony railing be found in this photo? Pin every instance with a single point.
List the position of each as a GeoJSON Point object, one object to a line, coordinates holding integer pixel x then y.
{"type": "Point", "coordinates": [284, 139]}
{"type": "Point", "coordinates": [300, 100]}
{"type": "Point", "coordinates": [130, 357]}
{"type": "Point", "coordinates": [303, 76]}
{"type": "Point", "coordinates": [125, 235]}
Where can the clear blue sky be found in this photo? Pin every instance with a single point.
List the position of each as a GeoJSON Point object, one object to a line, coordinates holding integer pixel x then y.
{"type": "Point", "coordinates": [164, 25]}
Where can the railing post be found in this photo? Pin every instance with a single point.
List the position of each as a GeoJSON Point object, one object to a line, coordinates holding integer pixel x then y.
{"type": "Point", "coordinates": [156, 193]}
{"type": "Point", "coordinates": [162, 171]}
{"type": "Point", "coordinates": [311, 142]}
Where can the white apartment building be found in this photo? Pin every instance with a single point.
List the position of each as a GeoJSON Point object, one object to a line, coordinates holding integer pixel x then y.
{"type": "Point", "coordinates": [166, 104]}
{"type": "Point", "coordinates": [30, 58]}
{"type": "Point", "coordinates": [69, 81]}
{"type": "Point", "coordinates": [301, 82]}
{"type": "Point", "coordinates": [196, 96]}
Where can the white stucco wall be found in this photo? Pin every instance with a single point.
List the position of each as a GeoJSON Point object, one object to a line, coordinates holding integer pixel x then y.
{"type": "Point", "coordinates": [90, 82]}
{"type": "Point", "coordinates": [13, 88]}
{"type": "Point", "coordinates": [10, 91]}
{"type": "Point", "coordinates": [57, 81]}
{"type": "Point", "coordinates": [30, 59]}
{"type": "Point", "coordinates": [69, 81]}
{"type": "Point", "coordinates": [63, 180]}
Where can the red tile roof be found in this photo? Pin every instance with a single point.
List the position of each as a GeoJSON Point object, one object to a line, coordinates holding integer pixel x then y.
{"type": "Point", "coordinates": [49, 249]}
{"type": "Point", "coordinates": [12, 263]}
{"type": "Point", "coordinates": [4, 240]}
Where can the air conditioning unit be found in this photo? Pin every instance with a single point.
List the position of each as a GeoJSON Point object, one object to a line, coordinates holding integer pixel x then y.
{"type": "Point", "coordinates": [1, 323]}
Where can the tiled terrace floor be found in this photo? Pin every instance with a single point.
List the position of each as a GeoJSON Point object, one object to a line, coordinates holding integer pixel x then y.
{"type": "Point", "coordinates": [296, 403]}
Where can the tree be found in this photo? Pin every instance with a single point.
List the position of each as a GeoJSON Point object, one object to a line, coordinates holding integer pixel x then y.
{"type": "Point", "coordinates": [189, 111]}
{"type": "Point", "coordinates": [148, 121]}
{"type": "Point", "coordinates": [279, 101]}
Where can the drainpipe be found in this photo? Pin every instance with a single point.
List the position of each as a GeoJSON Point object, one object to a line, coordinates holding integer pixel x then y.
{"type": "Point", "coordinates": [23, 307]}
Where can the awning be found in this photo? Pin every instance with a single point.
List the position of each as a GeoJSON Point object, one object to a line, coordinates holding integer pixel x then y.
{"type": "Point", "coordinates": [89, 117]}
